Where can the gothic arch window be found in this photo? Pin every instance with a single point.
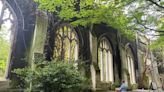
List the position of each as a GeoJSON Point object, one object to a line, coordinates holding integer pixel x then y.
{"type": "Point", "coordinates": [130, 65]}
{"type": "Point", "coordinates": [105, 61]}
{"type": "Point", "coordinates": [66, 43]}
{"type": "Point", "coordinates": [8, 25]}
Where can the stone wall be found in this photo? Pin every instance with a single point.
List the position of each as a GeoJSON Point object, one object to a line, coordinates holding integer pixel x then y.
{"type": "Point", "coordinates": [22, 42]}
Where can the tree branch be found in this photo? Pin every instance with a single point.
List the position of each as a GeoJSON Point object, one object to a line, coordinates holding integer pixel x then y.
{"type": "Point", "coordinates": [156, 3]}
{"type": "Point", "coordinates": [146, 26]}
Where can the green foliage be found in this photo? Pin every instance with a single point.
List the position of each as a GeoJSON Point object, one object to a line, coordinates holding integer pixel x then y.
{"type": "Point", "coordinates": [132, 87]}
{"type": "Point", "coordinates": [115, 85]}
{"type": "Point", "coordinates": [4, 53]}
{"type": "Point", "coordinates": [127, 16]}
{"type": "Point", "coordinates": [4, 49]}
{"type": "Point", "coordinates": [89, 12]}
{"type": "Point", "coordinates": [51, 76]}
{"type": "Point", "coordinates": [148, 17]}
{"type": "Point", "coordinates": [159, 43]}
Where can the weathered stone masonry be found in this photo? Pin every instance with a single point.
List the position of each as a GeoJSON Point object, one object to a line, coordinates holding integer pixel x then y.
{"type": "Point", "coordinates": [35, 37]}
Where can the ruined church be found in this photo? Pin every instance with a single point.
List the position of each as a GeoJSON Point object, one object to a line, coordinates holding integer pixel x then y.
{"type": "Point", "coordinates": [109, 56]}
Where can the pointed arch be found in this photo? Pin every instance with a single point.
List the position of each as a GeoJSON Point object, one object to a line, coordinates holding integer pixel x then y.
{"type": "Point", "coordinates": [8, 32]}
{"type": "Point", "coordinates": [66, 43]}
{"type": "Point", "coordinates": [105, 60]}
{"type": "Point", "coordinates": [130, 64]}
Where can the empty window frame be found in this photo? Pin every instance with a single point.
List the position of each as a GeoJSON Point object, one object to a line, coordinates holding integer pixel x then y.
{"type": "Point", "coordinates": [130, 66]}
{"type": "Point", "coordinates": [8, 27]}
{"type": "Point", "coordinates": [66, 43]}
{"type": "Point", "coordinates": [105, 61]}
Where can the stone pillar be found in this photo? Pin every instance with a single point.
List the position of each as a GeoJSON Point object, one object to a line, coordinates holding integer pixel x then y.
{"type": "Point", "coordinates": [40, 32]}
{"type": "Point", "coordinates": [39, 35]}
{"type": "Point", "coordinates": [133, 72]}
{"type": "Point", "coordinates": [93, 50]}
{"type": "Point", "coordinates": [139, 60]}
{"type": "Point", "coordinates": [124, 64]}
{"type": "Point", "coordinates": [110, 72]}
{"type": "Point", "coordinates": [155, 74]}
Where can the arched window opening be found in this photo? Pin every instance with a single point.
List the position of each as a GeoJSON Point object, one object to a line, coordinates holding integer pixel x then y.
{"type": "Point", "coordinates": [8, 24]}
{"type": "Point", "coordinates": [66, 44]}
{"type": "Point", "coordinates": [130, 66]}
{"type": "Point", "coordinates": [105, 61]}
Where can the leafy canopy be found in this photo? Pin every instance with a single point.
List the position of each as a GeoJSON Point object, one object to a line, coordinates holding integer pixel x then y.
{"type": "Point", "coordinates": [4, 52]}
{"type": "Point", "coordinates": [148, 17]}
{"type": "Point", "coordinates": [128, 16]}
{"type": "Point", "coordinates": [90, 12]}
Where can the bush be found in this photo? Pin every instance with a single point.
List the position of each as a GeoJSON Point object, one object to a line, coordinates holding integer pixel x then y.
{"type": "Point", "coordinates": [53, 76]}
{"type": "Point", "coordinates": [134, 86]}
{"type": "Point", "coordinates": [115, 85]}
{"type": "Point", "coordinates": [129, 87]}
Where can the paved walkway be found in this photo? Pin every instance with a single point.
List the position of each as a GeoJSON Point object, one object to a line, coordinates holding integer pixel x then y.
{"type": "Point", "coordinates": [137, 90]}
{"type": "Point", "coordinates": [141, 90]}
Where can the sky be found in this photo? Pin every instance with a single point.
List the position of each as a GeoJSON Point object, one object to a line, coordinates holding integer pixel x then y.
{"type": "Point", "coordinates": [5, 32]}
{"type": "Point", "coordinates": [0, 5]}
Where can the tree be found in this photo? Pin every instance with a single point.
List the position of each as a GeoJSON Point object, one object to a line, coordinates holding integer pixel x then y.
{"type": "Point", "coordinates": [148, 17]}
{"type": "Point", "coordinates": [89, 12]}
{"type": "Point", "coordinates": [127, 16]}
{"type": "Point", "coordinates": [4, 52]}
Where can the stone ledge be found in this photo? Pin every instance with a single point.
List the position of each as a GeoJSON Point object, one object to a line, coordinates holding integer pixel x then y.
{"type": "Point", "coordinates": [4, 84]}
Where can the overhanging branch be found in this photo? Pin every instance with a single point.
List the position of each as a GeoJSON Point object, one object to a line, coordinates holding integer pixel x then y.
{"type": "Point", "coordinates": [155, 3]}
{"type": "Point", "coordinates": [147, 27]}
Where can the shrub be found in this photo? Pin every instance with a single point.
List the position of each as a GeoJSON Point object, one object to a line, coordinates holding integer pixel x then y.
{"type": "Point", "coordinates": [115, 85]}
{"type": "Point", "coordinates": [129, 87]}
{"type": "Point", "coordinates": [134, 86]}
{"type": "Point", "coordinates": [53, 76]}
